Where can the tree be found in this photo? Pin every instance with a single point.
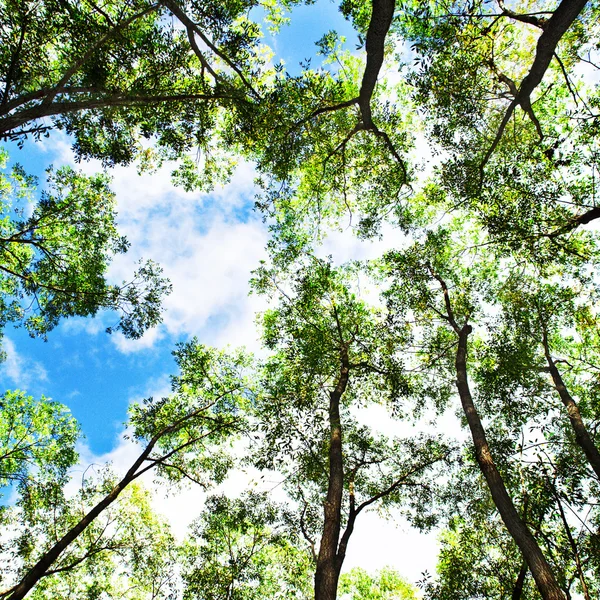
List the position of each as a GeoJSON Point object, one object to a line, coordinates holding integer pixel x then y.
{"type": "Point", "coordinates": [428, 267]}
{"type": "Point", "coordinates": [501, 93]}
{"type": "Point", "coordinates": [543, 312]}
{"type": "Point", "coordinates": [181, 434]}
{"type": "Point", "coordinates": [115, 73]}
{"type": "Point", "coordinates": [127, 552]}
{"type": "Point", "coordinates": [478, 559]}
{"type": "Point", "coordinates": [241, 549]}
{"type": "Point", "coordinates": [37, 441]}
{"type": "Point", "coordinates": [333, 354]}
{"type": "Point", "coordinates": [53, 260]}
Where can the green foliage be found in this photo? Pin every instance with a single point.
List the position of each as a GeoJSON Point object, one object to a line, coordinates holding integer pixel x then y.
{"type": "Point", "coordinates": [241, 550]}
{"type": "Point", "coordinates": [37, 441]}
{"type": "Point", "coordinates": [189, 430]}
{"type": "Point", "coordinates": [54, 255]}
{"type": "Point", "coordinates": [386, 584]}
{"type": "Point", "coordinates": [320, 316]}
{"type": "Point", "coordinates": [527, 181]}
{"type": "Point", "coordinates": [105, 540]}
{"type": "Point", "coordinates": [128, 552]}
{"type": "Point", "coordinates": [114, 74]}
{"type": "Point", "coordinates": [493, 244]}
{"type": "Point", "coordinates": [478, 559]}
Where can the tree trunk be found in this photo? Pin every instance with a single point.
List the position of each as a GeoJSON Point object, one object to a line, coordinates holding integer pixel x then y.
{"type": "Point", "coordinates": [47, 559]}
{"type": "Point", "coordinates": [519, 583]}
{"type": "Point", "coordinates": [582, 435]}
{"type": "Point", "coordinates": [379, 25]}
{"type": "Point", "coordinates": [44, 563]}
{"type": "Point", "coordinates": [328, 566]}
{"type": "Point", "coordinates": [539, 567]}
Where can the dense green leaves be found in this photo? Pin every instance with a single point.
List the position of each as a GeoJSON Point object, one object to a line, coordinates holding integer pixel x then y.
{"type": "Point", "coordinates": [37, 441]}
{"type": "Point", "coordinates": [127, 552]}
{"type": "Point", "coordinates": [54, 255]}
{"type": "Point", "coordinates": [386, 584]}
{"type": "Point", "coordinates": [116, 73]}
{"type": "Point", "coordinates": [241, 550]}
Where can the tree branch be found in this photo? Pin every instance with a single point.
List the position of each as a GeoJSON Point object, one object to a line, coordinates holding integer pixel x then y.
{"type": "Point", "coordinates": [189, 24]}
{"type": "Point", "coordinates": [49, 557]}
{"type": "Point", "coordinates": [10, 123]}
{"type": "Point", "coordinates": [90, 51]}
{"type": "Point", "coordinates": [379, 25]}
{"type": "Point", "coordinates": [553, 30]}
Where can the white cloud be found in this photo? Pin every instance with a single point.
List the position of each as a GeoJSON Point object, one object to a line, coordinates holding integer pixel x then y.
{"type": "Point", "coordinates": [23, 372]}
{"type": "Point", "coordinates": [209, 271]}
{"type": "Point", "coordinates": [89, 325]}
{"type": "Point", "coordinates": [344, 245]}
{"type": "Point", "coordinates": [208, 255]}
{"type": "Point", "coordinates": [406, 549]}
{"type": "Point", "coordinates": [207, 244]}
{"type": "Point", "coordinates": [127, 346]}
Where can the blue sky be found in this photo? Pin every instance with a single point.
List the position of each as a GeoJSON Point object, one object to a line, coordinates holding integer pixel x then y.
{"type": "Point", "coordinates": [207, 244]}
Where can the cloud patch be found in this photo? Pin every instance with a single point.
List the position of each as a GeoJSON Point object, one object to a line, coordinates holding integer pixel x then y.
{"type": "Point", "coordinates": [21, 371]}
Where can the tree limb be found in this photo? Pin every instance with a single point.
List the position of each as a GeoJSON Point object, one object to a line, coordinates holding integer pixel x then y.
{"type": "Point", "coordinates": [174, 7]}
{"type": "Point", "coordinates": [49, 557]}
{"type": "Point", "coordinates": [9, 124]}
{"type": "Point", "coordinates": [553, 30]}
{"type": "Point", "coordinates": [379, 25]}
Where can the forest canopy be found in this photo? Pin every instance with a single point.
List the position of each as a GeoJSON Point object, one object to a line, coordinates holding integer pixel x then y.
{"type": "Point", "coordinates": [458, 137]}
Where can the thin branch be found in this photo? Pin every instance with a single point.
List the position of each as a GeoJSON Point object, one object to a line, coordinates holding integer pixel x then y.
{"type": "Point", "coordinates": [90, 51]}
{"type": "Point", "coordinates": [205, 64]}
{"type": "Point", "coordinates": [399, 482]}
{"type": "Point", "coordinates": [566, 77]}
{"type": "Point", "coordinates": [189, 24]}
{"type": "Point", "coordinates": [447, 302]}
{"type": "Point", "coordinates": [530, 18]}
{"type": "Point", "coordinates": [325, 109]}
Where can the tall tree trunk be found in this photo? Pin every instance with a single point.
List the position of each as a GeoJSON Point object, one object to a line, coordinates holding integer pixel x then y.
{"type": "Point", "coordinates": [379, 25]}
{"type": "Point", "coordinates": [539, 567]}
{"type": "Point", "coordinates": [328, 566]}
{"type": "Point", "coordinates": [582, 435]}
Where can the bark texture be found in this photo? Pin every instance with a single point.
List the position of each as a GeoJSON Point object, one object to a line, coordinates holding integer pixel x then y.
{"type": "Point", "coordinates": [328, 566]}
{"type": "Point", "coordinates": [582, 435]}
{"type": "Point", "coordinates": [539, 567]}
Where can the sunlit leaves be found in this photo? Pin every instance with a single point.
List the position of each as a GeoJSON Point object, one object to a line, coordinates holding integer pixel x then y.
{"type": "Point", "coordinates": [386, 584]}
{"type": "Point", "coordinates": [241, 550]}
{"type": "Point", "coordinates": [37, 440]}
{"type": "Point", "coordinates": [54, 256]}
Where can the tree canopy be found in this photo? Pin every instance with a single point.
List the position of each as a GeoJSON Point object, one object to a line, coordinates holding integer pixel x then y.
{"type": "Point", "coordinates": [463, 134]}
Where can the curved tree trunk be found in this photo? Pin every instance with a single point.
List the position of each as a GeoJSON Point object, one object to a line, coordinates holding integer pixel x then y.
{"type": "Point", "coordinates": [582, 435]}
{"type": "Point", "coordinates": [539, 567]}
